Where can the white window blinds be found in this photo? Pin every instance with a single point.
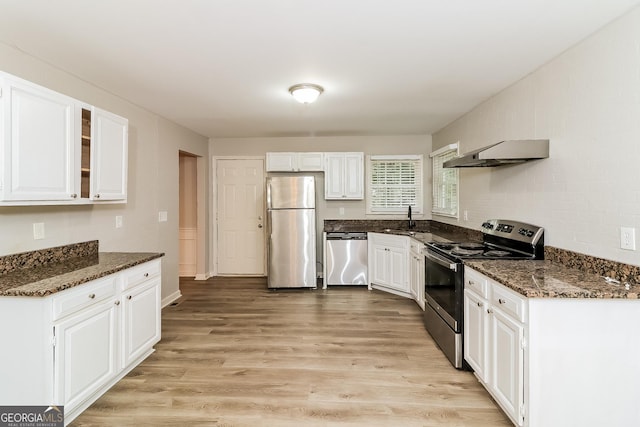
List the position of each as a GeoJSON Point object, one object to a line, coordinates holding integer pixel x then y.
{"type": "Point", "coordinates": [395, 183]}
{"type": "Point", "coordinates": [445, 183]}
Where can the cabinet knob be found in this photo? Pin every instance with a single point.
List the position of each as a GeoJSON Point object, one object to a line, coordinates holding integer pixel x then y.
{"type": "Point", "coordinates": [146, 274]}
{"type": "Point", "coordinates": [117, 302]}
{"type": "Point", "coordinates": [479, 304]}
{"type": "Point", "coordinates": [489, 311]}
{"type": "Point", "coordinates": [92, 296]}
{"type": "Point", "coordinates": [471, 282]}
{"type": "Point", "coordinates": [501, 301]}
{"type": "Point", "coordinates": [74, 196]}
{"type": "Point", "coordinates": [259, 225]}
{"type": "Point", "coordinates": [97, 196]}
{"type": "Point", "coordinates": [128, 296]}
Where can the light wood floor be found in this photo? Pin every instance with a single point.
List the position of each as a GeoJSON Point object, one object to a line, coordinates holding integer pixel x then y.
{"type": "Point", "coordinates": [236, 354]}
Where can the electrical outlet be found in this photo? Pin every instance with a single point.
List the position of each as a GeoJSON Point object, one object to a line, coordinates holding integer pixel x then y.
{"type": "Point", "coordinates": [628, 238]}
{"type": "Point", "coordinates": [162, 216]}
{"type": "Point", "coordinates": [341, 211]}
{"type": "Point", "coordinates": [466, 215]}
{"type": "Point", "coordinates": [118, 221]}
{"type": "Point", "coordinates": [38, 230]}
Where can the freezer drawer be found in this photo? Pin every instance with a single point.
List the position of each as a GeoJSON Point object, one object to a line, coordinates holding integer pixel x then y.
{"type": "Point", "coordinates": [346, 261]}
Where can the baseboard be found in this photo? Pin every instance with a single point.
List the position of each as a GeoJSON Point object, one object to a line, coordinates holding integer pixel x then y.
{"type": "Point", "coordinates": [202, 276]}
{"type": "Point", "coordinates": [171, 298]}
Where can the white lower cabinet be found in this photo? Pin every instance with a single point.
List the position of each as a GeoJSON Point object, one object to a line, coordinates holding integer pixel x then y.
{"type": "Point", "coordinates": [71, 347]}
{"type": "Point", "coordinates": [493, 342]}
{"type": "Point", "coordinates": [389, 263]}
{"type": "Point", "coordinates": [141, 328]}
{"type": "Point", "coordinates": [85, 353]}
{"type": "Point", "coordinates": [553, 361]}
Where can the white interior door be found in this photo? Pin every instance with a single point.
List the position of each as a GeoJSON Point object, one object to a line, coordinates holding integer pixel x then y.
{"type": "Point", "coordinates": [240, 248]}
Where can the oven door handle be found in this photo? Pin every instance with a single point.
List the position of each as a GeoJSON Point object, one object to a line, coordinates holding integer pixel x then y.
{"type": "Point", "coordinates": [441, 261]}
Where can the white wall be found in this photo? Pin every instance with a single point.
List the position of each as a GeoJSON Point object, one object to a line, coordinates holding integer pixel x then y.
{"type": "Point", "coordinates": [401, 144]}
{"type": "Point", "coordinates": [154, 143]}
{"type": "Point", "coordinates": [587, 102]}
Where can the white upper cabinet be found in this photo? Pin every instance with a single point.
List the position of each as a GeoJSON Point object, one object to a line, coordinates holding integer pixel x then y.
{"type": "Point", "coordinates": [37, 148]}
{"type": "Point", "coordinates": [344, 176]}
{"type": "Point", "coordinates": [295, 162]}
{"type": "Point", "coordinates": [109, 141]}
{"type": "Point", "coordinates": [57, 150]}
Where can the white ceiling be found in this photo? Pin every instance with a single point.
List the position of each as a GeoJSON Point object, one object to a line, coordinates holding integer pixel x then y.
{"type": "Point", "coordinates": [223, 67]}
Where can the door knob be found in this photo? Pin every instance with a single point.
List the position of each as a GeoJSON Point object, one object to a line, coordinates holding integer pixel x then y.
{"type": "Point", "coordinates": [259, 225]}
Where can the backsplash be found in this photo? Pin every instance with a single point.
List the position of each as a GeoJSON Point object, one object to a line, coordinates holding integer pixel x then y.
{"type": "Point", "coordinates": [46, 256]}
{"type": "Point", "coordinates": [590, 264]}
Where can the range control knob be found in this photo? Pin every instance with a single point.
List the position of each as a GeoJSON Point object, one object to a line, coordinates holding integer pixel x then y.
{"type": "Point", "coordinates": [522, 231]}
{"type": "Point", "coordinates": [487, 225]}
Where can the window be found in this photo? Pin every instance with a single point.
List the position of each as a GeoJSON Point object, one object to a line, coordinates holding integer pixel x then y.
{"type": "Point", "coordinates": [445, 182]}
{"type": "Point", "coordinates": [395, 183]}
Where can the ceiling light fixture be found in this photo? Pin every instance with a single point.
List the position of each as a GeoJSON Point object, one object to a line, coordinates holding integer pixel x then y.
{"type": "Point", "coordinates": [305, 93]}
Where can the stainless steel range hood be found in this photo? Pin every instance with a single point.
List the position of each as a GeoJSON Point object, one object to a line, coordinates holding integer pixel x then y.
{"type": "Point", "coordinates": [502, 153]}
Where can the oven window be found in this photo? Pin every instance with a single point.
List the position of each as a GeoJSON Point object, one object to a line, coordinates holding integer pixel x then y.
{"type": "Point", "coordinates": [445, 287]}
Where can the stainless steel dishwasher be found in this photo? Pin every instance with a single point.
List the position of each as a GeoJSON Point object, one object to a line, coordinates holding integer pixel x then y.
{"type": "Point", "coordinates": [346, 258]}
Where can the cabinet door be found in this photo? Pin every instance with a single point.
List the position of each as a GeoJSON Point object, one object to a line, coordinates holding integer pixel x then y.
{"type": "Point", "coordinates": [334, 184]}
{"type": "Point", "coordinates": [506, 372]}
{"type": "Point", "coordinates": [354, 176]}
{"type": "Point", "coordinates": [475, 333]}
{"type": "Point", "coordinates": [379, 271]}
{"type": "Point", "coordinates": [281, 162]}
{"type": "Point", "coordinates": [141, 320]}
{"type": "Point", "coordinates": [399, 266]}
{"type": "Point", "coordinates": [311, 162]}
{"type": "Point", "coordinates": [39, 143]}
{"type": "Point", "coordinates": [85, 353]}
{"type": "Point", "coordinates": [413, 276]}
{"type": "Point", "coordinates": [109, 145]}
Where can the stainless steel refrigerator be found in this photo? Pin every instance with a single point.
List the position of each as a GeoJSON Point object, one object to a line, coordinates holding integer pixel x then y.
{"type": "Point", "coordinates": [291, 213]}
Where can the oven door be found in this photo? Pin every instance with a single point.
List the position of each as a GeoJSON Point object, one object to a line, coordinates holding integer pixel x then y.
{"type": "Point", "coordinates": [444, 288]}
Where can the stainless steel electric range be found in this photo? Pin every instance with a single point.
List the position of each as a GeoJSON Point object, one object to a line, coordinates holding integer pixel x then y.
{"type": "Point", "coordinates": [444, 276]}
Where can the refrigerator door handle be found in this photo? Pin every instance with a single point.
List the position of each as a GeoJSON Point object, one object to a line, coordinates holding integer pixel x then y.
{"type": "Point", "coordinates": [268, 195]}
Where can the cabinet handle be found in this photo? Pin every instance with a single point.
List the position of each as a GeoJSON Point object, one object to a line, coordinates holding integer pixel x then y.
{"type": "Point", "coordinates": [97, 196]}
{"type": "Point", "coordinates": [479, 304]}
{"type": "Point", "coordinates": [74, 196]}
{"type": "Point", "coordinates": [259, 225]}
{"type": "Point", "coordinates": [489, 311]}
{"type": "Point", "coordinates": [146, 274]}
{"type": "Point", "coordinates": [129, 297]}
{"type": "Point", "coordinates": [472, 283]}
{"type": "Point", "coordinates": [501, 301]}
{"type": "Point", "coordinates": [92, 296]}
{"type": "Point", "coordinates": [117, 302]}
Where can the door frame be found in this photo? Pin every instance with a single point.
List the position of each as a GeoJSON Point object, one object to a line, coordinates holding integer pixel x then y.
{"type": "Point", "coordinates": [214, 208]}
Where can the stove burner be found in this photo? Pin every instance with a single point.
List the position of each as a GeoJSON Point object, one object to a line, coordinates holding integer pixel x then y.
{"type": "Point", "coordinates": [496, 253]}
{"type": "Point", "coordinates": [446, 246]}
{"type": "Point", "coordinates": [465, 252]}
{"type": "Point", "coordinates": [471, 245]}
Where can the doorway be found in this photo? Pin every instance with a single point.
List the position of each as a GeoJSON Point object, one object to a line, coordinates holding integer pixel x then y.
{"type": "Point", "coordinates": [188, 215]}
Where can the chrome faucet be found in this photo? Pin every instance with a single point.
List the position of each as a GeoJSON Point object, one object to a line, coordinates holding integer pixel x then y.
{"type": "Point", "coordinates": [412, 223]}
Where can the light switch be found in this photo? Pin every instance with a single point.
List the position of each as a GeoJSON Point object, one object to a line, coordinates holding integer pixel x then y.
{"type": "Point", "coordinates": [118, 221]}
{"type": "Point", "coordinates": [162, 216]}
{"type": "Point", "coordinates": [38, 230]}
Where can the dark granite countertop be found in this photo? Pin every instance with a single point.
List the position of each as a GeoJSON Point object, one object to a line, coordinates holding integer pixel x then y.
{"type": "Point", "coordinates": [546, 279]}
{"type": "Point", "coordinates": [564, 274]}
{"type": "Point", "coordinates": [47, 279]}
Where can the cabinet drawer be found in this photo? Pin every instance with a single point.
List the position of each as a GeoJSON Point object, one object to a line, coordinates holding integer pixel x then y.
{"type": "Point", "coordinates": [509, 302]}
{"type": "Point", "coordinates": [475, 282]}
{"type": "Point", "coordinates": [140, 273]}
{"type": "Point", "coordinates": [83, 296]}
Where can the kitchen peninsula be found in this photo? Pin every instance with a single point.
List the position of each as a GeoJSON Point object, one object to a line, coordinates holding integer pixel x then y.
{"type": "Point", "coordinates": [76, 321]}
